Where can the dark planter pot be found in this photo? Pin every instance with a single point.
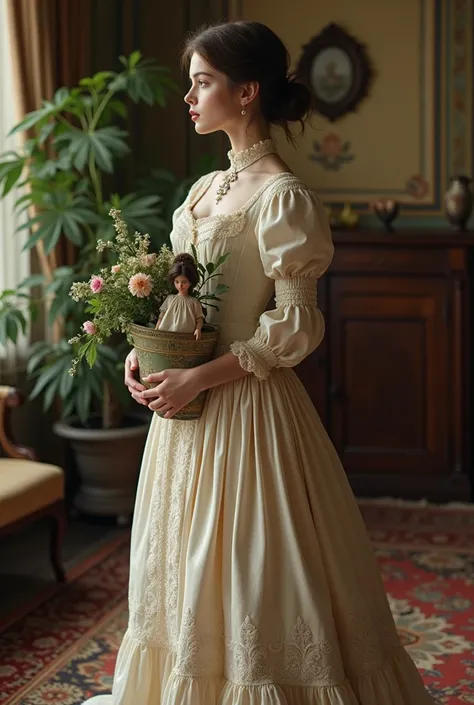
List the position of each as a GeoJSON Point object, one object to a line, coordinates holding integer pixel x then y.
{"type": "Point", "coordinates": [108, 462]}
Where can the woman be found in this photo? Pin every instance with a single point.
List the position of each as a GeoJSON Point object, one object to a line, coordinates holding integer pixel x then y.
{"type": "Point", "coordinates": [253, 581]}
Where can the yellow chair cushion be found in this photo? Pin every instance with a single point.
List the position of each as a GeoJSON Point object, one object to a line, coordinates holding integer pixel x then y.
{"type": "Point", "coordinates": [26, 487]}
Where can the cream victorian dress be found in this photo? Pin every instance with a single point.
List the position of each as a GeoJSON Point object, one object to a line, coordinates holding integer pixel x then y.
{"type": "Point", "coordinates": [180, 313]}
{"type": "Point", "coordinates": [252, 578]}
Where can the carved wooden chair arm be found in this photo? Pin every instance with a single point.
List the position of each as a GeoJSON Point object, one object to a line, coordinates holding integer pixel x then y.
{"type": "Point", "coordinates": [11, 398]}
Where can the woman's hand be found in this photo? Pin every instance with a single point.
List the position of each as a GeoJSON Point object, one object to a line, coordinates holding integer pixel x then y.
{"type": "Point", "coordinates": [134, 387]}
{"type": "Point", "coordinates": [174, 389]}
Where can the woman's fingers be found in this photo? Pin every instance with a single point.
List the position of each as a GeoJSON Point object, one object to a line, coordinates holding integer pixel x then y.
{"type": "Point", "coordinates": [138, 398]}
{"type": "Point", "coordinates": [132, 383]}
{"type": "Point", "coordinates": [151, 393]}
{"type": "Point", "coordinates": [155, 377]}
{"type": "Point", "coordinates": [160, 405]}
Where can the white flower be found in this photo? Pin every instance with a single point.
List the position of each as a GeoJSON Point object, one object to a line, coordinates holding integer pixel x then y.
{"type": "Point", "coordinates": [140, 285]}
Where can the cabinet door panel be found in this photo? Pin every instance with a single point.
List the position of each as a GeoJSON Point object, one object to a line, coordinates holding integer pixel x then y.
{"type": "Point", "coordinates": [389, 374]}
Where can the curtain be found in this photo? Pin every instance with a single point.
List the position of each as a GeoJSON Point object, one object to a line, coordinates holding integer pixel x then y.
{"type": "Point", "coordinates": [14, 263]}
{"type": "Point", "coordinates": [51, 48]}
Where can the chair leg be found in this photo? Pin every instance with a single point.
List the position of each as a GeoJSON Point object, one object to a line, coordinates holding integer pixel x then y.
{"type": "Point", "coordinates": [57, 533]}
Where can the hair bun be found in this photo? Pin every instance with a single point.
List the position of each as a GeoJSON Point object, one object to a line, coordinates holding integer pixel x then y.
{"type": "Point", "coordinates": [296, 101]}
{"type": "Point", "coordinates": [185, 258]}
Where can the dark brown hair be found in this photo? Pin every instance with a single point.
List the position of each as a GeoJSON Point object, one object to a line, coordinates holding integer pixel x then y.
{"type": "Point", "coordinates": [251, 51]}
{"type": "Point", "coordinates": [184, 266]}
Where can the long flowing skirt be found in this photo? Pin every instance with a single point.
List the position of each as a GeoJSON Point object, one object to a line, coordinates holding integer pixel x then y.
{"type": "Point", "coordinates": [252, 578]}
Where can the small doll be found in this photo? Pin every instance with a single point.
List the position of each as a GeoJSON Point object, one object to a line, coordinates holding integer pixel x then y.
{"type": "Point", "coordinates": [181, 312]}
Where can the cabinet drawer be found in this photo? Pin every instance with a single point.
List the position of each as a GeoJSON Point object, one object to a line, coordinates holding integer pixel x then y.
{"type": "Point", "coordinates": [390, 260]}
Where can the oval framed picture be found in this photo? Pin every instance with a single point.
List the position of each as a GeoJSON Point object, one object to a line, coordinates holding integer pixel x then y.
{"type": "Point", "coordinates": [335, 67]}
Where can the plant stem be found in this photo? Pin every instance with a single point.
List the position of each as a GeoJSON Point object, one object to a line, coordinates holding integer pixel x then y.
{"type": "Point", "coordinates": [96, 181]}
{"type": "Point", "coordinates": [100, 109]}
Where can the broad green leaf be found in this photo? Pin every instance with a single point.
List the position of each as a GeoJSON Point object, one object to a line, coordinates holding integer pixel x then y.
{"type": "Point", "coordinates": [37, 355]}
{"type": "Point", "coordinates": [20, 319]}
{"type": "Point", "coordinates": [12, 177]}
{"type": "Point", "coordinates": [50, 392]}
{"type": "Point", "coordinates": [119, 83]}
{"type": "Point", "coordinates": [46, 131]}
{"type": "Point", "coordinates": [91, 354]}
{"type": "Point", "coordinates": [66, 383]}
{"type": "Point", "coordinates": [47, 374]}
{"type": "Point", "coordinates": [49, 109]}
{"type": "Point", "coordinates": [134, 59]}
{"type": "Point", "coordinates": [33, 280]}
{"type": "Point", "coordinates": [101, 144]}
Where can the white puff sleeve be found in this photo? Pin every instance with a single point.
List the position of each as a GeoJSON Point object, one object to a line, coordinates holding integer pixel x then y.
{"type": "Point", "coordinates": [296, 248]}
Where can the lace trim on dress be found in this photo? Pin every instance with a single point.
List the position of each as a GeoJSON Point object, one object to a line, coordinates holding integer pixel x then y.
{"type": "Point", "coordinates": [255, 357]}
{"type": "Point", "coordinates": [227, 225]}
{"type": "Point", "coordinates": [154, 619]}
{"type": "Point", "coordinates": [215, 227]}
{"type": "Point", "coordinates": [296, 291]}
{"type": "Point", "coordinates": [299, 660]}
{"type": "Point", "coordinates": [199, 654]}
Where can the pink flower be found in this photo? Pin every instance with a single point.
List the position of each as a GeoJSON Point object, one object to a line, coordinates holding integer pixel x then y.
{"type": "Point", "coordinates": [89, 327]}
{"type": "Point", "coordinates": [140, 285]}
{"type": "Point", "coordinates": [148, 260]}
{"type": "Point", "coordinates": [331, 145]}
{"type": "Point", "coordinates": [116, 269]}
{"type": "Point", "coordinates": [97, 284]}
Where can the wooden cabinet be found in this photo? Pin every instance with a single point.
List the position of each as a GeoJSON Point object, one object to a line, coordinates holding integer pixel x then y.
{"type": "Point", "coordinates": [392, 378]}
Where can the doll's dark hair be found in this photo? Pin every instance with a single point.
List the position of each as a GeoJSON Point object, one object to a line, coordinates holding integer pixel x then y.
{"type": "Point", "coordinates": [184, 266]}
{"type": "Point", "coordinates": [251, 51]}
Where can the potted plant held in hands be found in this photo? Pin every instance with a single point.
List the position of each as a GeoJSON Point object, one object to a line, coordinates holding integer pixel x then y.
{"type": "Point", "coordinates": [125, 298]}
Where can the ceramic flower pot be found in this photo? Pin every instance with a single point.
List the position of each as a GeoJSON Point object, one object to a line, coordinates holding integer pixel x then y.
{"type": "Point", "coordinates": [161, 350]}
{"type": "Point", "coordinates": [108, 463]}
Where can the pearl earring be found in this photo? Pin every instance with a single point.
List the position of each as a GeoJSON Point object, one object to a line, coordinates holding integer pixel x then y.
{"type": "Point", "coordinates": [243, 111]}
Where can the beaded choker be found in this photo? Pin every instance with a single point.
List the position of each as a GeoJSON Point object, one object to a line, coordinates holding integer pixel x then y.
{"type": "Point", "coordinates": [241, 160]}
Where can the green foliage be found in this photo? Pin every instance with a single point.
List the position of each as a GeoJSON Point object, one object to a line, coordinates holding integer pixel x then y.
{"type": "Point", "coordinates": [75, 139]}
{"type": "Point", "coordinates": [49, 366]}
{"type": "Point", "coordinates": [13, 320]}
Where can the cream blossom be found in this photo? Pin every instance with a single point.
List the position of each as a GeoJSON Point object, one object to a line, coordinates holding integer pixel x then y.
{"type": "Point", "coordinates": [140, 285]}
{"type": "Point", "coordinates": [148, 260]}
{"type": "Point", "coordinates": [116, 269]}
{"type": "Point", "coordinates": [89, 327]}
{"type": "Point", "coordinates": [97, 284]}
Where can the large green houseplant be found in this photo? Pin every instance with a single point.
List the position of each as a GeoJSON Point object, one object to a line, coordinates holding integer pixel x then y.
{"type": "Point", "coordinates": [65, 172]}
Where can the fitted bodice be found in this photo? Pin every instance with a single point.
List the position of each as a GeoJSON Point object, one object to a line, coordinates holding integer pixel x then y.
{"type": "Point", "coordinates": [278, 242]}
{"type": "Point", "coordinates": [250, 289]}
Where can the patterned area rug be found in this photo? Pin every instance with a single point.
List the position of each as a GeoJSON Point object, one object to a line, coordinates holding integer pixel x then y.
{"type": "Point", "coordinates": [64, 649]}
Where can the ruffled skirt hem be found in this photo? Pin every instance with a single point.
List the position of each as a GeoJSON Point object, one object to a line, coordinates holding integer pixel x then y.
{"type": "Point", "coordinates": [146, 676]}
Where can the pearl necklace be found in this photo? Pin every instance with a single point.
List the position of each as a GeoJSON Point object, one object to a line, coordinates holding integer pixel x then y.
{"type": "Point", "coordinates": [241, 160]}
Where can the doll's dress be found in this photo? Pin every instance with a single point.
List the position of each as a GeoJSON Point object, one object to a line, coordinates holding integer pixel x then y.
{"type": "Point", "coordinates": [181, 313]}
{"type": "Point", "coordinates": [253, 580]}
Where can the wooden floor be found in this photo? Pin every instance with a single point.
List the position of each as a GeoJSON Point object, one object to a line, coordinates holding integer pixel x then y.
{"type": "Point", "coordinates": [25, 571]}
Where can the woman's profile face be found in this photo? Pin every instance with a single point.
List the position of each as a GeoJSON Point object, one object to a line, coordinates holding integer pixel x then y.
{"type": "Point", "coordinates": [182, 284]}
{"type": "Point", "coordinates": [213, 103]}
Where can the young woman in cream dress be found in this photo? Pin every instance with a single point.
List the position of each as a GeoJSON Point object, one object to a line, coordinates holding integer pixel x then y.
{"type": "Point", "coordinates": [252, 578]}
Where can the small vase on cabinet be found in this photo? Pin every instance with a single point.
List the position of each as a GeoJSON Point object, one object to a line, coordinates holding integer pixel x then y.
{"type": "Point", "coordinates": [459, 201]}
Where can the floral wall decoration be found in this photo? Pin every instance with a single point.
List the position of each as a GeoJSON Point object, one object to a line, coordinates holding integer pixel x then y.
{"type": "Point", "coordinates": [417, 186]}
{"type": "Point", "coordinates": [331, 152]}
